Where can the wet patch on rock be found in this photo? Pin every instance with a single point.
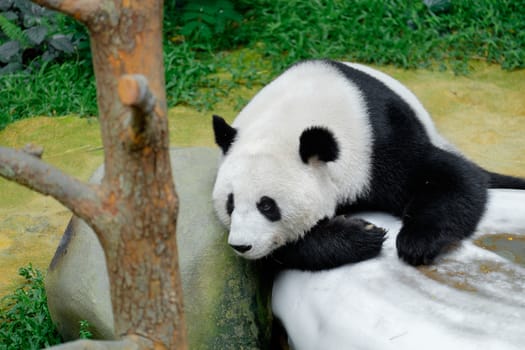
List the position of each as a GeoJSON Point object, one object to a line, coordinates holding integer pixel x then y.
{"type": "Point", "coordinates": [509, 246]}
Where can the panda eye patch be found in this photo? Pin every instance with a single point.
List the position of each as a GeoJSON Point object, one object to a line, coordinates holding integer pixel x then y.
{"type": "Point", "coordinates": [230, 205]}
{"type": "Point", "coordinates": [269, 208]}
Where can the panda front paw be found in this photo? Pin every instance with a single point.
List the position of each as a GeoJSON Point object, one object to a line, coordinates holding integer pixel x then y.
{"type": "Point", "coordinates": [362, 239]}
{"type": "Point", "coordinates": [332, 243]}
{"type": "Point", "coordinates": [419, 249]}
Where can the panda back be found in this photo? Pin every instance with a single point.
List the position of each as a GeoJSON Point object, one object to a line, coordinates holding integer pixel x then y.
{"type": "Point", "coordinates": [404, 94]}
{"type": "Point", "coordinates": [366, 110]}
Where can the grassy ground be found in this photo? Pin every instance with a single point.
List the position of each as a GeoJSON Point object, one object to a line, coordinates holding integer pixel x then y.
{"type": "Point", "coordinates": [202, 70]}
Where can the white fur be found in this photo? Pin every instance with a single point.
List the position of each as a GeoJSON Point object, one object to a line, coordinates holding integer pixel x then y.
{"type": "Point", "coordinates": [265, 160]}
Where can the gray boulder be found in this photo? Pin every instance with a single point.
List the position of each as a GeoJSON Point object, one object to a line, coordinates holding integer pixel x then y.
{"type": "Point", "coordinates": [227, 303]}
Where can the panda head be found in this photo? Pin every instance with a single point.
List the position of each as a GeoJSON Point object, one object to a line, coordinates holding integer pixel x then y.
{"type": "Point", "coordinates": [268, 198]}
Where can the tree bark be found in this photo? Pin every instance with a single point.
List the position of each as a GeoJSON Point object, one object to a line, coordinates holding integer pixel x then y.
{"type": "Point", "coordinates": [134, 210]}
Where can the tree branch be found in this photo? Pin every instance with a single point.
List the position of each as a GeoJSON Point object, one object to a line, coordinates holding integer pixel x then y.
{"type": "Point", "coordinates": [32, 150]}
{"type": "Point", "coordinates": [28, 170]}
{"type": "Point", "coordinates": [133, 91]}
{"type": "Point", "coordinates": [81, 10]}
{"type": "Point", "coordinates": [125, 344]}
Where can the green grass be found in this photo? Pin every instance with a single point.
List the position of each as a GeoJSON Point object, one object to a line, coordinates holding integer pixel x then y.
{"type": "Point", "coordinates": [276, 34]}
{"type": "Point", "coordinates": [203, 69]}
{"type": "Point", "coordinates": [54, 90]}
{"type": "Point", "coordinates": [25, 323]}
{"type": "Point", "coordinates": [24, 318]}
{"type": "Point", "coordinates": [399, 32]}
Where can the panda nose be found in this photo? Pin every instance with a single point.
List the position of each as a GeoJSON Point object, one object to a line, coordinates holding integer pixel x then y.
{"type": "Point", "coordinates": [241, 248]}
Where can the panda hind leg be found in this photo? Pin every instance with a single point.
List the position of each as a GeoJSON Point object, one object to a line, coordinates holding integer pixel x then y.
{"type": "Point", "coordinates": [447, 202]}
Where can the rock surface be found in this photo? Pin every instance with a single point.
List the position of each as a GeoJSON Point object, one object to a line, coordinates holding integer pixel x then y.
{"type": "Point", "coordinates": [471, 299]}
{"type": "Point", "coordinates": [226, 306]}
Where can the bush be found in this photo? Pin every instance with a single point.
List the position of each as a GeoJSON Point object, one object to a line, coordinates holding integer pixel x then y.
{"type": "Point", "coordinates": [24, 317]}
{"type": "Point", "coordinates": [32, 35]}
{"type": "Point", "coordinates": [206, 24]}
{"type": "Point", "coordinates": [25, 323]}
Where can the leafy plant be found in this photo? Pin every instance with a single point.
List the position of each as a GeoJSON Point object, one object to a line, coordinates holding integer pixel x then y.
{"type": "Point", "coordinates": [84, 332]}
{"type": "Point", "coordinates": [206, 19]}
{"type": "Point", "coordinates": [11, 30]}
{"type": "Point", "coordinates": [25, 322]}
{"type": "Point", "coordinates": [24, 318]}
{"type": "Point", "coordinates": [32, 33]}
{"type": "Point", "coordinates": [438, 6]}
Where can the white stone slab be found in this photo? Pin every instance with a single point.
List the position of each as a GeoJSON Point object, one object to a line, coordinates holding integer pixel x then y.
{"type": "Point", "coordinates": [471, 299]}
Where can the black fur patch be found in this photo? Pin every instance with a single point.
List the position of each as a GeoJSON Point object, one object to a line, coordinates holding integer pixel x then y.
{"type": "Point", "coordinates": [269, 208]}
{"type": "Point", "coordinates": [331, 243]}
{"type": "Point", "coordinates": [230, 205]}
{"type": "Point", "coordinates": [318, 141]}
{"type": "Point", "coordinates": [439, 195]}
{"type": "Point", "coordinates": [241, 248]}
{"type": "Point", "coordinates": [506, 181]}
{"type": "Point", "coordinates": [447, 199]}
{"type": "Point", "coordinates": [224, 133]}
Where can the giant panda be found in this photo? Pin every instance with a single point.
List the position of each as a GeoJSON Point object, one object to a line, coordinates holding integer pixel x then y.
{"type": "Point", "coordinates": [326, 139]}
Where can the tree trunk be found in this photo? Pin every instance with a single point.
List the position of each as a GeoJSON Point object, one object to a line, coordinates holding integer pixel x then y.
{"type": "Point", "coordinates": [134, 210]}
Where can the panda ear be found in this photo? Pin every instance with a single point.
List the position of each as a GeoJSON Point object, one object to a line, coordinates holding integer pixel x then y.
{"type": "Point", "coordinates": [224, 134]}
{"type": "Point", "coordinates": [318, 141]}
